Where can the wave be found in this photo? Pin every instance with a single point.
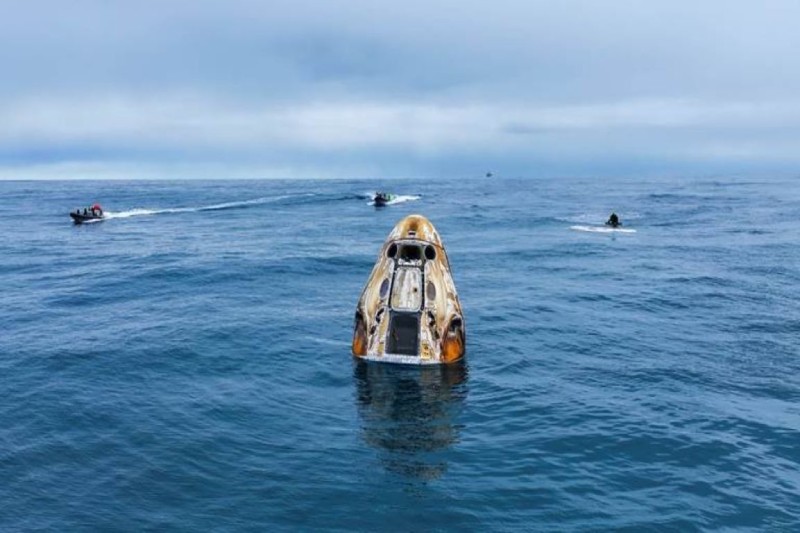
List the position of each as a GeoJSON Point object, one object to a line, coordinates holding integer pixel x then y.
{"type": "Point", "coordinates": [137, 212]}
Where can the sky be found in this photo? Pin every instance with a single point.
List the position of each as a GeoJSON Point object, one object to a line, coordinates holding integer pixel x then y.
{"type": "Point", "coordinates": [412, 88]}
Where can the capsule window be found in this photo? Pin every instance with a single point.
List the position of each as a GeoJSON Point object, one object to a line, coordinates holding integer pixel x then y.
{"type": "Point", "coordinates": [392, 251]}
{"type": "Point", "coordinates": [430, 253]}
{"type": "Point", "coordinates": [385, 288]}
{"type": "Point", "coordinates": [430, 291]}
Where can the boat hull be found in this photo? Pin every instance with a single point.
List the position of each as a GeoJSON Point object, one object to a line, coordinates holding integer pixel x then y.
{"type": "Point", "coordinates": [80, 219]}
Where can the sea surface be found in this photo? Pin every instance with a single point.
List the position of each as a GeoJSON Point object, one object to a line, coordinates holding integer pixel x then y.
{"type": "Point", "coordinates": [185, 365]}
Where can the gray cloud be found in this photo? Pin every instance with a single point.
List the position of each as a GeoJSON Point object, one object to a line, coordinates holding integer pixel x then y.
{"type": "Point", "coordinates": [369, 87]}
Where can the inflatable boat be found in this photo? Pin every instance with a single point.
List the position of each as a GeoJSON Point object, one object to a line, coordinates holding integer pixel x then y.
{"type": "Point", "coordinates": [88, 214]}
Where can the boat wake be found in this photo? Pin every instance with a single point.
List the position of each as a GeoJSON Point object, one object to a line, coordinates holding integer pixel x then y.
{"type": "Point", "coordinates": [138, 212]}
{"type": "Point", "coordinates": [399, 199]}
{"type": "Point", "coordinates": [602, 229]}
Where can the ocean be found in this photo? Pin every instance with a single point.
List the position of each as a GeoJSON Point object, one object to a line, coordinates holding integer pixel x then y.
{"type": "Point", "coordinates": [185, 365]}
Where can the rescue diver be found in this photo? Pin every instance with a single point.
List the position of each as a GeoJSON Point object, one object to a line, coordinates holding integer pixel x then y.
{"type": "Point", "coordinates": [613, 221]}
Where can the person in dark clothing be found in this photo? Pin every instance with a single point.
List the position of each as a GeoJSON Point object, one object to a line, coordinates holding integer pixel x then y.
{"type": "Point", "coordinates": [613, 221]}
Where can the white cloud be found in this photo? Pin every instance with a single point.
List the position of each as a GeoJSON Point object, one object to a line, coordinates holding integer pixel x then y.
{"type": "Point", "coordinates": [192, 122]}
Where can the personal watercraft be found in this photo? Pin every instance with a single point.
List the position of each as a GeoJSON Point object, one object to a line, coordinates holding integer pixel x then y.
{"type": "Point", "coordinates": [383, 198]}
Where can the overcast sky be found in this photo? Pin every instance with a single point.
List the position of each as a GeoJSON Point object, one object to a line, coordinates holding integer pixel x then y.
{"type": "Point", "coordinates": [369, 88]}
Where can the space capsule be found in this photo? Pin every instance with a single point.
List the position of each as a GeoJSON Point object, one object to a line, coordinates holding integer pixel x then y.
{"type": "Point", "coordinates": [409, 310]}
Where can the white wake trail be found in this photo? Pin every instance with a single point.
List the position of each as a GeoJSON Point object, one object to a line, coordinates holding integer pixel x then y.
{"type": "Point", "coordinates": [138, 212]}
{"type": "Point", "coordinates": [602, 229]}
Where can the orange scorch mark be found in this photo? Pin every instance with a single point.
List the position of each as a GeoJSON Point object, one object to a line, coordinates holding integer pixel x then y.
{"type": "Point", "coordinates": [359, 337]}
{"type": "Point", "coordinates": [452, 348]}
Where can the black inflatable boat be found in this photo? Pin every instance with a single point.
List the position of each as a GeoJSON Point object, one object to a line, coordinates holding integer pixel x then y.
{"type": "Point", "coordinates": [88, 214]}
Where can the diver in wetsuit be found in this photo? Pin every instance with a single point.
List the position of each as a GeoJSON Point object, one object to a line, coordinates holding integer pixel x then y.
{"type": "Point", "coordinates": [613, 221]}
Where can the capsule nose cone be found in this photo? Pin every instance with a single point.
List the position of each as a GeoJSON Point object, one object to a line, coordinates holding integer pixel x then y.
{"type": "Point", "coordinates": [415, 227]}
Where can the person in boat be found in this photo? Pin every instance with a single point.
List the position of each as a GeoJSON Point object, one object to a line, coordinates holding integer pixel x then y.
{"type": "Point", "coordinates": [382, 197]}
{"type": "Point", "coordinates": [613, 221]}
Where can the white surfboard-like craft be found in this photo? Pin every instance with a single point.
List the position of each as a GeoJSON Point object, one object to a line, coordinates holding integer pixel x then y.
{"type": "Point", "coordinates": [409, 310]}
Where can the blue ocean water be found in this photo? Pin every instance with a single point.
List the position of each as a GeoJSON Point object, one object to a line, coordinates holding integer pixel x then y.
{"type": "Point", "coordinates": [185, 365]}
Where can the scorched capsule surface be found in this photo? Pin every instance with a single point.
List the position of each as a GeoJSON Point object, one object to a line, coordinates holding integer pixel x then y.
{"type": "Point", "coordinates": [409, 310]}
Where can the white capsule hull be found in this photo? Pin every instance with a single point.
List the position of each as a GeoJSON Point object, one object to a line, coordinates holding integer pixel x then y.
{"type": "Point", "coordinates": [409, 312]}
